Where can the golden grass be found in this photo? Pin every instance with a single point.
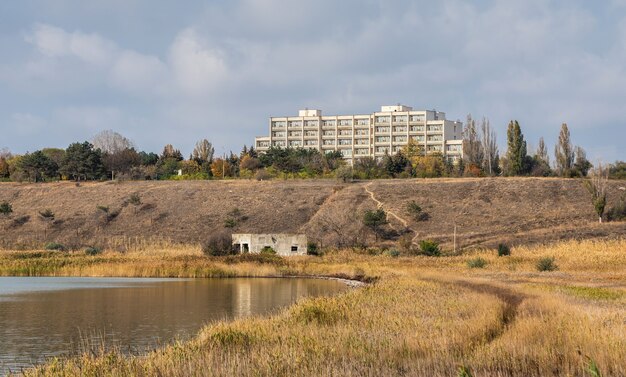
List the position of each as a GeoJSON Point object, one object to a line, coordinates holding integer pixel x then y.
{"type": "Point", "coordinates": [424, 316]}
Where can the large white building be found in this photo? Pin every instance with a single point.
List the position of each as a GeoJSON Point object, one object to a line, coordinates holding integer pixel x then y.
{"type": "Point", "coordinates": [369, 135]}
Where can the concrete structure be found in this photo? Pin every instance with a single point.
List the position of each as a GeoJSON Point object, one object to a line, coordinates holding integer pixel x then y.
{"type": "Point", "coordinates": [283, 244]}
{"type": "Point", "coordinates": [369, 135]}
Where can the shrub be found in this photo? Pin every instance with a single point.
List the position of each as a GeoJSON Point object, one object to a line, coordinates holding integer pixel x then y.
{"type": "Point", "coordinates": [375, 220]}
{"type": "Point", "coordinates": [503, 250]}
{"type": "Point", "coordinates": [218, 244]}
{"type": "Point", "coordinates": [268, 250]}
{"type": "Point", "coordinates": [262, 175]}
{"type": "Point", "coordinates": [134, 199]}
{"type": "Point", "coordinates": [617, 212]}
{"type": "Point", "coordinates": [55, 246]}
{"type": "Point", "coordinates": [19, 221]}
{"type": "Point", "coordinates": [93, 250]}
{"type": "Point", "coordinates": [546, 264]}
{"type": "Point", "coordinates": [393, 253]}
{"type": "Point", "coordinates": [230, 223]}
{"type": "Point", "coordinates": [430, 248]}
{"type": "Point", "coordinates": [312, 249]}
{"type": "Point", "coordinates": [47, 214]}
{"type": "Point", "coordinates": [416, 212]}
{"type": "Point", "coordinates": [104, 209]}
{"type": "Point", "coordinates": [476, 263]}
{"type": "Point", "coordinates": [6, 208]}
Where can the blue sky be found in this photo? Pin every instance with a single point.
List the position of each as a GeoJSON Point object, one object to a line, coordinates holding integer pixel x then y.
{"type": "Point", "coordinates": [164, 72]}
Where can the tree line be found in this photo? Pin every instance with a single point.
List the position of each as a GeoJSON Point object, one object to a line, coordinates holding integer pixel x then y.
{"type": "Point", "coordinates": [109, 155]}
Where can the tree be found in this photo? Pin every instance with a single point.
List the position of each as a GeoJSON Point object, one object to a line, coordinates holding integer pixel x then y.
{"type": "Point", "coordinates": [397, 164]}
{"type": "Point", "coordinates": [617, 170]}
{"type": "Point", "coordinates": [596, 186]}
{"type": "Point", "coordinates": [581, 164]}
{"type": "Point", "coordinates": [516, 154]}
{"type": "Point", "coordinates": [472, 144]}
{"type": "Point", "coordinates": [111, 142]}
{"type": "Point", "coordinates": [82, 161]}
{"type": "Point", "coordinates": [541, 161]}
{"type": "Point", "coordinates": [203, 152]}
{"type": "Point", "coordinates": [564, 153]}
{"type": "Point", "coordinates": [375, 220]}
{"type": "Point", "coordinates": [37, 166]}
{"type": "Point", "coordinates": [367, 168]}
{"type": "Point", "coordinates": [148, 159]}
{"type": "Point", "coordinates": [249, 163]}
{"type": "Point", "coordinates": [489, 148]}
{"type": "Point", "coordinates": [170, 152]}
{"type": "Point", "coordinates": [220, 168]}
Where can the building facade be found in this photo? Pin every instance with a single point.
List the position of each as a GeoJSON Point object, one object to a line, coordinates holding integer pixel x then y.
{"type": "Point", "coordinates": [370, 135]}
{"type": "Point", "coordinates": [282, 244]}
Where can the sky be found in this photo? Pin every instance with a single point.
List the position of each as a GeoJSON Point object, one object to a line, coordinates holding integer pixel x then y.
{"type": "Point", "coordinates": [171, 72]}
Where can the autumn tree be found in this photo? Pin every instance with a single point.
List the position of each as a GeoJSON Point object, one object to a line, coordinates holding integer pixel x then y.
{"type": "Point", "coordinates": [472, 144]}
{"type": "Point", "coordinates": [596, 186]}
{"type": "Point", "coordinates": [564, 153]}
{"type": "Point", "coordinates": [581, 164]}
{"type": "Point", "coordinates": [220, 168]}
{"type": "Point", "coordinates": [541, 161]}
{"type": "Point", "coordinates": [203, 152]}
{"type": "Point", "coordinates": [118, 152]}
{"type": "Point", "coordinates": [490, 164]}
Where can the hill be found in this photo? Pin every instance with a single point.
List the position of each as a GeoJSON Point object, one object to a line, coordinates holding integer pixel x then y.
{"type": "Point", "coordinates": [485, 211]}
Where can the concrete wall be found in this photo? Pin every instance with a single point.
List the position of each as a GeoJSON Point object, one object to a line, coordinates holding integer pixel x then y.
{"type": "Point", "coordinates": [283, 244]}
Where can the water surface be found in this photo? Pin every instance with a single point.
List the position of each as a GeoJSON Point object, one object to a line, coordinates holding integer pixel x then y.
{"type": "Point", "coordinates": [44, 317]}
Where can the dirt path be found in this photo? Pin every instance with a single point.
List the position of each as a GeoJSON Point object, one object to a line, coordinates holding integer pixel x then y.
{"type": "Point", "coordinates": [381, 205]}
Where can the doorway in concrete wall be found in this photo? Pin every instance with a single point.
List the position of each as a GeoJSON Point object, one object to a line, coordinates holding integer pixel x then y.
{"type": "Point", "coordinates": [245, 248]}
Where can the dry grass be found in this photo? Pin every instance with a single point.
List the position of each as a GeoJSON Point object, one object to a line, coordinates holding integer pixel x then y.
{"type": "Point", "coordinates": [485, 211]}
{"type": "Point", "coordinates": [424, 316]}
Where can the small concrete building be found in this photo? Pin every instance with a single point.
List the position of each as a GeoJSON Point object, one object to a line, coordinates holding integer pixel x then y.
{"type": "Point", "coordinates": [283, 244]}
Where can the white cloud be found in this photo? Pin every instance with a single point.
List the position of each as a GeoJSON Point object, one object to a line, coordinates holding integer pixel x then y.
{"type": "Point", "coordinates": [196, 67]}
{"type": "Point", "coordinates": [139, 74]}
{"type": "Point", "coordinates": [56, 42]}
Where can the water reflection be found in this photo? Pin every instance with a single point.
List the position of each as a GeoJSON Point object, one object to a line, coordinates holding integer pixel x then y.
{"type": "Point", "coordinates": [43, 317]}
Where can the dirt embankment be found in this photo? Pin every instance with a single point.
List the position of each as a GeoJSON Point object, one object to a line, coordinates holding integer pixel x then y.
{"type": "Point", "coordinates": [484, 211]}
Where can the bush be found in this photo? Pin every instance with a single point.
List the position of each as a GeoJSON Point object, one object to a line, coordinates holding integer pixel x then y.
{"type": "Point", "coordinates": [6, 208]}
{"type": "Point", "coordinates": [430, 248]}
{"type": "Point", "coordinates": [546, 264]}
{"type": "Point", "coordinates": [416, 212]}
{"type": "Point", "coordinates": [393, 253]}
{"type": "Point", "coordinates": [268, 250]}
{"type": "Point", "coordinates": [262, 175]}
{"type": "Point", "coordinates": [312, 249]}
{"type": "Point", "coordinates": [93, 250]}
{"type": "Point", "coordinates": [47, 214]}
{"type": "Point", "coordinates": [230, 223]}
{"type": "Point", "coordinates": [55, 246]}
{"type": "Point", "coordinates": [504, 250]}
{"type": "Point", "coordinates": [134, 199]}
{"type": "Point", "coordinates": [476, 263]}
{"type": "Point", "coordinates": [618, 212]}
{"type": "Point", "coordinates": [218, 244]}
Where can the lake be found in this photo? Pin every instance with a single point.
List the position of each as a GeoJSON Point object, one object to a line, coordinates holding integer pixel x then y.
{"type": "Point", "coordinates": [44, 317]}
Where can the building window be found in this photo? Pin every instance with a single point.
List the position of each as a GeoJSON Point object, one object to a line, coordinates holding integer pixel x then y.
{"type": "Point", "coordinates": [294, 123]}
{"type": "Point", "coordinates": [417, 118]}
{"type": "Point", "coordinates": [399, 118]}
{"type": "Point", "coordinates": [345, 142]}
{"type": "Point", "coordinates": [382, 129]}
{"type": "Point", "coordinates": [345, 122]}
{"type": "Point", "coordinates": [362, 122]}
{"type": "Point", "coordinates": [328, 123]}
{"type": "Point", "coordinates": [382, 119]}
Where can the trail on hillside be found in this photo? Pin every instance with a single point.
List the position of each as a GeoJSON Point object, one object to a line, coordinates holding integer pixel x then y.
{"type": "Point", "coordinates": [381, 205]}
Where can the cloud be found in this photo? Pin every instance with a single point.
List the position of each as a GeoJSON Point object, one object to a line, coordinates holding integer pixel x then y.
{"type": "Point", "coordinates": [138, 73]}
{"type": "Point", "coordinates": [197, 68]}
{"type": "Point", "coordinates": [56, 42]}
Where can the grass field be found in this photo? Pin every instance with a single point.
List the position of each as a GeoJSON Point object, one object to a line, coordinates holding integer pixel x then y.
{"type": "Point", "coordinates": [484, 211]}
{"type": "Point", "coordinates": [419, 316]}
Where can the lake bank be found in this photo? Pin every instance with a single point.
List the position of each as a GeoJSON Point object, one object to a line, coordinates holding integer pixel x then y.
{"type": "Point", "coordinates": [424, 316]}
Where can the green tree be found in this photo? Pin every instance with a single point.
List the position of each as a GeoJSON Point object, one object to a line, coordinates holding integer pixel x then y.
{"type": "Point", "coordinates": [581, 164]}
{"type": "Point", "coordinates": [564, 153]}
{"type": "Point", "coordinates": [82, 161]}
{"type": "Point", "coordinates": [516, 154]}
{"type": "Point", "coordinates": [375, 220]}
{"type": "Point", "coordinates": [37, 166]}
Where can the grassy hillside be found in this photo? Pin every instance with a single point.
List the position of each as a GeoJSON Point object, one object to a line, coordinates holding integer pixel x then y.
{"type": "Point", "coordinates": [485, 211]}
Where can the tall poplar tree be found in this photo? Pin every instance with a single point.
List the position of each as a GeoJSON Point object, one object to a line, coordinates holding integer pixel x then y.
{"type": "Point", "coordinates": [564, 153]}
{"type": "Point", "coordinates": [516, 154]}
